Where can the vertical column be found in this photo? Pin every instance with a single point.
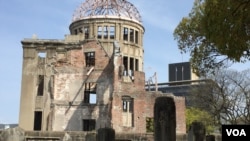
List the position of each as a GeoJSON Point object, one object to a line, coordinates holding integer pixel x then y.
{"type": "Point", "coordinates": [118, 32]}
{"type": "Point", "coordinates": [94, 32]}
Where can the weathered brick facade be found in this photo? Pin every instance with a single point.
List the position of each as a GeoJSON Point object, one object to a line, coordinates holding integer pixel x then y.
{"type": "Point", "coordinates": [89, 80]}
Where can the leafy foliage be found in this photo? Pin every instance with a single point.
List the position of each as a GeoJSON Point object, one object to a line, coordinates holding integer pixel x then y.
{"type": "Point", "coordinates": [227, 25]}
{"type": "Point", "coordinates": [195, 114]}
{"type": "Point", "coordinates": [149, 124]}
{"type": "Point", "coordinates": [215, 32]}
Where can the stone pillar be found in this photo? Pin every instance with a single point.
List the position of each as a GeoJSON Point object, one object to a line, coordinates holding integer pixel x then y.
{"type": "Point", "coordinates": [164, 119]}
{"type": "Point", "coordinates": [197, 132]}
{"type": "Point", "coordinates": [106, 134]}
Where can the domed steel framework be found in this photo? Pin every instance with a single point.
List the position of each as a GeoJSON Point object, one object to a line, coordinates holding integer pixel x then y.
{"type": "Point", "coordinates": [107, 8]}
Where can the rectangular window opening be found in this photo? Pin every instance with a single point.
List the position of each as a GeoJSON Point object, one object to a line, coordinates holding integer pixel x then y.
{"type": "Point", "coordinates": [99, 34]}
{"type": "Point", "coordinates": [42, 54]}
{"type": "Point", "coordinates": [80, 30]}
{"type": "Point", "coordinates": [86, 32]}
{"type": "Point", "coordinates": [136, 65]}
{"type": "Point", "coordinates": [112, 32]}
{"type": "Point", "coordinates": [40, 88]}
{"type": "Point", "coordinates": [131, 63]}
{"type": "Point", "coordinates": [131, 35]}
{"type": "Point", "coordinates": [92, 99]}
{"type": "Point", "coordinates": [90, 95]}
{"type": "Point", "coordinates": [89, 124]}
{"type": "Point", "coordinates": [38, 121]}
{"type": "Point", "coordinates": [136, 37]}
{"type": "Point", "coordinates": [127, 104]}
{"type": "Point", "coordinates": [90, 59]}
{"type": "Point", "coordinates": [127, 114]}
{"type": "Point", "coordinates": [125, 63]}
{"type": "Point", "coordinates": [125, 34]}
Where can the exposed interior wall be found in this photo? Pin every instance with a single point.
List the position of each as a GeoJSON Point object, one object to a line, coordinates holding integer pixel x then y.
{"type": "Point", "coordinates": [60, 77]}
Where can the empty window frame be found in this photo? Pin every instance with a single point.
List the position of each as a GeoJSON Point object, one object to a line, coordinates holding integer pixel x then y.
{"type": "Point", "coordinates": [90, 93]}
{"type": "Point", "coordinates": [125, 34]}
{"type": "Point", "coordinates": [40, 87]}
{"type": "Point", "coordinates": [127, 111]}
{"type": "Point", "coordinates": [42, 54]}
{"type": "Point", "coordinates": [136, 37]}
{"type": "Point", "coordinates": [38, 120]}
{"type": "Point", "coordinates": [105, 32]}
{"type": "Point", "coordinates": [112, 32]}
{"type": "Point", "coordinates": [131, 63]}
{"type": "Point", "coordinates": [90, 59]}
{"type": "Point", "coordinates": [136, 65]}
{"type": "Point", "coordinates": [127, 104]}
{"type": "Point", "coordinates": [125, 63]}
{"type": "Point", "coordinates": [80, 30]}
{"type": "Point", "coordinates": [89, 124]}
{"type": "Point", "coordinates": [86, 32]}
{"type": "Point", "coordinates": [99, 32]}
{"type": "Point", "coordinates": [131, 35]}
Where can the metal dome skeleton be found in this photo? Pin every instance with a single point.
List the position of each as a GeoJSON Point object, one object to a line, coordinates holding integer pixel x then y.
{"type": "Point", "coordinates": [107, 8]}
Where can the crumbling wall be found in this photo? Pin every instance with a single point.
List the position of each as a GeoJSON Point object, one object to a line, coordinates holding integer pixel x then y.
{"type": "Point", "coordinates": [64, 74]}
{"type": "Point", "coordinates": [12, 134]}
{"type": "Point", "coordinates": [69, 89]}
{"type": "Point", "coordinates": [143, 102]}
{"type": "Point", "coordinates": [143, 108]}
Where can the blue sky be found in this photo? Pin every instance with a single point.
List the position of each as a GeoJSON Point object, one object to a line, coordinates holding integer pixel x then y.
{"type": "Point", "coordinates": [50, 19]}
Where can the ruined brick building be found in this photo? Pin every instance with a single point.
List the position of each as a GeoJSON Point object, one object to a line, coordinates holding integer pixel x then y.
{"type": "Point", "coordinates": [93, 78]}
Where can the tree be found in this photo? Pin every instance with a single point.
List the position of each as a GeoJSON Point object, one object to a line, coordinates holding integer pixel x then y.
{"type": "Point", "coordinates": [215, 33]}
{"type": "Point", "coordinates": [226, 96]}
{"type": "Point", "coordinates": [196, 114]}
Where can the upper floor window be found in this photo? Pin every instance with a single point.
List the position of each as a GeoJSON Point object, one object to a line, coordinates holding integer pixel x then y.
{"type": "Point", "coordinates": [131, 35]}
{"type": "Point", "coordinates": [99, 32]}
{"type": "Point", "coordinates": [90, 59]}
{"type": "Point", "coordinates": [106, 32]}
{"type": "Point", "coordinates": [86, 32]}
{"type": "Point", "coordinates": [125, 34]}
{"type": "Point", "coordinates": [90, 93]}
{"type": "Point", "coordinates": [127, 104]}
{"type": "Point", "coordinates": [42, 54]}
{"type": "Point", "coordinates": [112, 32]}
{"type": "Point", "coordinates": [136, 37]}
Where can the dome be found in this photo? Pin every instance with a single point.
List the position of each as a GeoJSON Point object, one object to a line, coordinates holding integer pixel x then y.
{"type": "Point", "coordinates": [107, 9]}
